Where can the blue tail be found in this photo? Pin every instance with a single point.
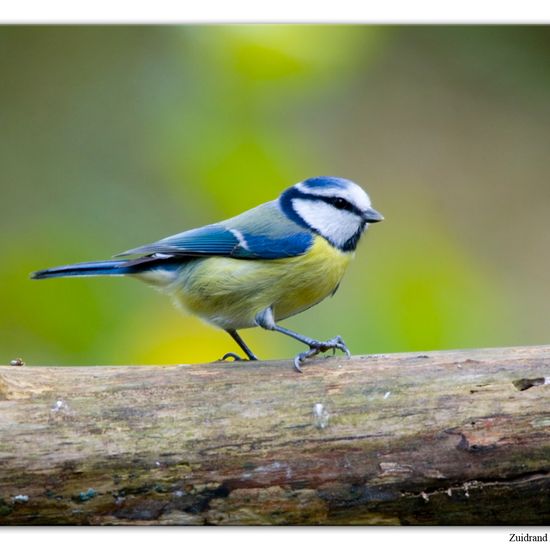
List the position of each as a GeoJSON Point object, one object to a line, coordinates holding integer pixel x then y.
{"type": "Point", "coordinates": [87, 269]}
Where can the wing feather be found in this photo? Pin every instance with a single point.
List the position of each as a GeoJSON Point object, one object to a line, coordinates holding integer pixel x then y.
{"type": "Point", "coordinates": [256, 234]}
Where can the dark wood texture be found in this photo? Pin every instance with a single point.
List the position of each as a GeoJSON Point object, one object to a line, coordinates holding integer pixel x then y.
{"type": "Point", "coordinates": [446, 438]}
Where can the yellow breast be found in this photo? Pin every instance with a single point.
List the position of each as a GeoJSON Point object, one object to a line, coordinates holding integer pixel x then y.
{"type": "Point", "coordinates": [230, 293]}
{"type": "Point", "coordinates": [312, 278]}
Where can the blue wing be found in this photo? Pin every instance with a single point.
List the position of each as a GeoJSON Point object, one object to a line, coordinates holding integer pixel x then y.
{"type": "Point", "coordinates": [262, 233]}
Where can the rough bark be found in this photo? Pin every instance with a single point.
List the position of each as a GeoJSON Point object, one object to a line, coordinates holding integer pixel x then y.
{"type": "Point", "coordinates": [453, 438]}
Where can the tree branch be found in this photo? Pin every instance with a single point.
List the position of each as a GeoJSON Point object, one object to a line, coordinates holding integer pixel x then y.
{"type": "Point", "coordinates": [458, 437]}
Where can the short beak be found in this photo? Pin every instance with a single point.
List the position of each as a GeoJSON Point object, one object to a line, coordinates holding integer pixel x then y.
{"type": "Point", "coordinates": [372, 216]}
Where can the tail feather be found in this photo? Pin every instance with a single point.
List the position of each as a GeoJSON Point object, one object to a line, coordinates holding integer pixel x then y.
{"type": "Point", "coordinates": [86, 269]}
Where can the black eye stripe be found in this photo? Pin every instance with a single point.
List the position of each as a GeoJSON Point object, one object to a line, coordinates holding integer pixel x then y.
{"type": "Point", "coordinates": [340, 203]}
{"type": "Point", "coordinates": [292, 193]}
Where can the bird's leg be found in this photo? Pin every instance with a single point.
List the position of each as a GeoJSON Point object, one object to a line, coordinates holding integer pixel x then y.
{"type": "Point", "coordinates": [235, 335]}
{"type": "Point", "coordinates": [266, 320]}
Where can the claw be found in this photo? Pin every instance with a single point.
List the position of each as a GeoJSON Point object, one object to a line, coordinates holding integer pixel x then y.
{"type": "Point", "coordinates": [231, 355]}
{"type": "Point", "coordinates": [301, 357]}
{"type": "Point", "coordinates": [297, 360]}
{"type": "Point", "coordinates": [320, 347]}
{"type": "Point", "coordinates": [342, 346]}
{"type": "Point", "coordinates": [235, 357]}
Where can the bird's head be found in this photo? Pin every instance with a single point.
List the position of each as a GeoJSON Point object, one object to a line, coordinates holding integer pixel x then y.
{"type": "Point", "coordinates": [335, 208]}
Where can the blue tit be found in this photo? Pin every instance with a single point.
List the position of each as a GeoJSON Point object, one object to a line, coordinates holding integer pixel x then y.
{"type": "Point", "coordinates": [265, 265]}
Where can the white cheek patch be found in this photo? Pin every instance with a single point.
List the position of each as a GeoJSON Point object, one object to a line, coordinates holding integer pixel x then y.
{"type": "Point", "coordinates": [338, 226]}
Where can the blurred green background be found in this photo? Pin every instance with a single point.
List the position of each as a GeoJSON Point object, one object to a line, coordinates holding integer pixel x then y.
{"type": "Point", "coordinates": [112, 137]}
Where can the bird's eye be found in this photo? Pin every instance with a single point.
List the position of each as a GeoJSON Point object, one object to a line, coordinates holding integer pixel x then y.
{"type": "Point", "coordinates": [340, 203]}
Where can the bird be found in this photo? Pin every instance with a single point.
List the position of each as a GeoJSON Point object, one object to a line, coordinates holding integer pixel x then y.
{"type": "Point", "coordinates": [253, 270]}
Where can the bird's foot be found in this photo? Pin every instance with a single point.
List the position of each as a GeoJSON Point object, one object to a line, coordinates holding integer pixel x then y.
{"type": "Point", "coordinates": [320, 347]}
{"type": "Point", "coordinates": [231, 355]}
{"type": "Point", "coordinates": [235, 357]}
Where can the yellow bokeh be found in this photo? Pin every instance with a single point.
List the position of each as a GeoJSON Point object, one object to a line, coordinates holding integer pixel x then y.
{"type": "Point", "coordinates": [116, 136]}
